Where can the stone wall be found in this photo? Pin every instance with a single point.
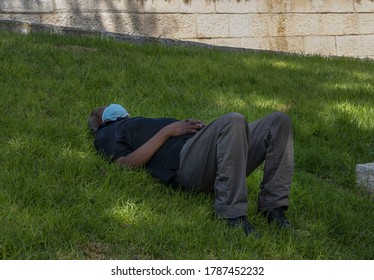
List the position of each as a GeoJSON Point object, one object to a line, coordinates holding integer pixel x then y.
{"type": "Point", "coordinates": [326, 27]}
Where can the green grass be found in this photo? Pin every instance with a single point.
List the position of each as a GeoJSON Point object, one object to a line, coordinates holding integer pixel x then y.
{"type": "Point", "coordinates": [60, 200]}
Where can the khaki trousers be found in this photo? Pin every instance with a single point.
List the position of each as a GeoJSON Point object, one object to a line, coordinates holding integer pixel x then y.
{"type": "Point", "coordinates": [220, 157]}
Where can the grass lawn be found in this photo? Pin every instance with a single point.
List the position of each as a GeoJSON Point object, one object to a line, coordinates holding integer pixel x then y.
{"type": "Point", "coordinates": [60, 200]}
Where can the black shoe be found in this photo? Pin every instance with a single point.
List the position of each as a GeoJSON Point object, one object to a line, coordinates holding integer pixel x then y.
{"type": "Point", "coordinates": [241, 222]}
{"type": "Point", "coordinates": [276, 216]}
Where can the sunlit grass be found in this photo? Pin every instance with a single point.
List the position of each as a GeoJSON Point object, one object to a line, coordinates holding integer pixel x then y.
{"type": "Point", "coordinates": [60, 200]}
{"type": "Point", "coordinates": [359, 114]}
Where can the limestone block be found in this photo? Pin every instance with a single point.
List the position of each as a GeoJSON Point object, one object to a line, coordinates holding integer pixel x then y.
{"type": "Point", "coordinates": [31, 18]}
{"type": "Point", "coordinates": [5, 17]}
{"type": "Point", "coordinates": [364, 6]}
{"type": "Point", "coordinates": [322, 45]}
{"type": "Point", "coordinates": [357, 46]}
{"type": "Point", "coordinates": [160, 25]}
{"type": "Point", "coordinates": [87, 21]}
{"type": "Point", "coordinates": [339, 6]}
{"type": "Point", "coordinates": [239, 25]}
{"type": "Point", "coordinates": [251, 43]}
{"type": "Point", "coordinates": [282, 43]}
{"type": "Point", "coordinates": [187, 26]}
{"type": "Point", "coordinates": [197, 6]}
{"type": "Point", "coordinates": [61, 19]}
{"type": "Point", "coordinates": [358, 24]}
{"type": "Point", "coordinates": [200, 41]}
{"type": "Point", "coordinates": [133, 24]}
{"type": "Point", "coordinates": [159, 6]}
{"type": "Point", "coordinates": [351, 24]}
{"type": "Point", "coordinates": [294, 24]}
{"type": "Point", "coordinates": [171, 25]}
{"type": "Point", "coordinates": [305, 6]}
{"type": "Point", "coordinates": [212, 26]}
{"type": "Point", "coordinates": [259, 25]}
{"type": "Point", "coordinates": [365, 176]}
{"type": "Point", "coordinates": [64, 6]}
{"type": "Point", "coordinates": [26, 6]}
{"type": "Point", "coordinates": [236, 7]}
{"type": "Point", "coordinates": [331, 24]}
{"type": "Point", "coordinates": [85, 6]}
{"type": "Point", "coordinates": [228, 42]}
{"type": "Point", "coordinates": [274, 6]}
{"type": "Point", "coordinates": [295, 44]}
{"type": "Point", "coordinates": [365, 23]}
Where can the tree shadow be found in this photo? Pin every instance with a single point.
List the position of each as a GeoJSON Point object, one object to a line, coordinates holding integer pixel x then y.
{"type": "Point", "coordinates": [130, 21]}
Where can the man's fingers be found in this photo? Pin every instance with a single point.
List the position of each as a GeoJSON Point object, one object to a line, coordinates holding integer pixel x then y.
{"type": "Point", "coordinates": [189, 126]}
{"type": "Point", "coordinates": [193, 131]}
{"type": "Point", "coordinates": [194, 126]}
{"type": "Point", "coordinates": [193, 121]}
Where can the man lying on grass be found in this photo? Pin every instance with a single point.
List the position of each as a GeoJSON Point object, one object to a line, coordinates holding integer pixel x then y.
{"type": "Point", "coordinates": [205, 158]}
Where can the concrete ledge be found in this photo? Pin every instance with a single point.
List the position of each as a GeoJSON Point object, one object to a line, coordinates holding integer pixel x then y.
{"type": "Point", "coordinates": [365, 176]}
{"type": "Point", "coordinates": [27, 6]}
{"type": "Point", "coordinates": [15, 26]}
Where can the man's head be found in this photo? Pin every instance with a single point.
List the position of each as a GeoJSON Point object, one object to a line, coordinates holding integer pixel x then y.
{"type": "Point", "coordinates": [106, 113]}
{"type": "Point", "coordinates": [114, 111]}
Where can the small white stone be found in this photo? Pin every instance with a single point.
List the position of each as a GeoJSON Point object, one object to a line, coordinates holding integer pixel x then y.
{"type": "Point", "coordinates": [365, 176]}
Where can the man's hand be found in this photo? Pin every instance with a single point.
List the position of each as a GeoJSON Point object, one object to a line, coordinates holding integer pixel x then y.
{"type": "Point", "coordinates": [183, 127]}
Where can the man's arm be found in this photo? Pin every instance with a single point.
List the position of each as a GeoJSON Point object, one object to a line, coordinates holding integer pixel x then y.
{"type": "Point", "coordinates": [144, 153]}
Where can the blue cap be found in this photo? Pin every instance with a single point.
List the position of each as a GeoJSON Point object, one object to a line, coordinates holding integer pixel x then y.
{"type": "Point", "coordinates": [114, 111]}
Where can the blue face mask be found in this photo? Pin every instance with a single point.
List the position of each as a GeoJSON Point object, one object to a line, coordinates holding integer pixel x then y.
{"type": "Point", "coordinates": [114, 111]}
